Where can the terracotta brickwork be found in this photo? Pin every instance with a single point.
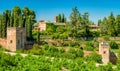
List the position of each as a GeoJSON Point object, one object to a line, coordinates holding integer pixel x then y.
{"type": "Point", "coordinates": [3, 42]}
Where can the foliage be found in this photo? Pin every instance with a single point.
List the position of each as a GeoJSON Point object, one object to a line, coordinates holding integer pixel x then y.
{"type": "Point", "coordinates": [17, 18]}
{"type": "Point", "coordinates": [60, 18]}
{"type": "Point", "coordinates": [113, 45]}
{"type": "Point", "coordinates": [106, 38]}
{"type": "Point", "coordinates": [89, 46]}
{"type": "Point", "coordinates": [94, 57]}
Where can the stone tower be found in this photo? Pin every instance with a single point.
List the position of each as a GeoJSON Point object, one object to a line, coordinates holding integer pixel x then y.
{"type": "Point", "coordinates": [16, 38]}
{"type": "Point", "coordinates": [104, 51]}
{"type": "Point", "coordinates": [42, 25]}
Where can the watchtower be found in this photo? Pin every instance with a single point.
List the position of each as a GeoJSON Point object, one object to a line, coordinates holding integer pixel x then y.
{"type": "Point", "coordinates": [16, 38]}
{"type": "Point", "coordinates": [104, 51]}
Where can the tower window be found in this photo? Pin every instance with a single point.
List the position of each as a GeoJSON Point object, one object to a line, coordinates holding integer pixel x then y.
{"type": "Point", "coordinates": [104, 52]}
{"type": "Point", "coordinates": [11, 41]}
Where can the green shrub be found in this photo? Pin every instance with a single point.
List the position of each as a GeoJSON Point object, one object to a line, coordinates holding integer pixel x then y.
{"type": "Point", "coordinates": [72, 50]}
{"type": "Point", "coordinates": [65, 43]}
{"type": "Point", "coordinates": [63, 36]}
{"type": "Point", "coordinates": [55, 36]}
{"type": "Point", "coordinates": [94, 57]}
{"type": "Point", "coordinates": [89, 46]}
{"type": "Point", "coordinates": [79, 53]}
{"type": "Point", "coordinates": [36, 46]}
{"type": "Point", "coordinates": [106, 38]}
{"type": "Point", "coordinates": [68, 55]}
{"type": "Point", "coordinates": [113, 45]}
{"type": "Point", "coordinates": [95, 33]}
{"type": "Point", "coordinates": [62, 50]}
{"type": "Point", "coordinates": [46, 46]}
{"type": "Point", "coordinates": [53, 49]}
{"type": "Point", "coordinates": [74, 43]}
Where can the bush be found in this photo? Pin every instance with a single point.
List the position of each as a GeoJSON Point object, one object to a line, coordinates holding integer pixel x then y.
{"type": "Point", "coordinates": [55, 36]}
{"type": "Point", "coordinates": [62, 50]}
{"type": "Point", "coordinates": [74, 43]}
{"type": "Point", "coordinates": [94, 57]}
{"type": "Point", "coordinates": [46, 47]}
{"type": "Point", "coordinates": [89, 46]}
{"type": "Point", "coordinates": [95, 33]}
{"type": "Point", "coordinates": [36, 46]}
{"type": "Point", "coordinates": [53, 49]}
{"type": "Point", "coordinates": [63, 36]}
{"type": "Point", "coordinates": [79, 53]}
{"type": "Point", "coordinates": [106, 38]}
{"type": "Point", "coordinates": [113, 45]}
{"type": "Point", "coordinates": [65, 43]}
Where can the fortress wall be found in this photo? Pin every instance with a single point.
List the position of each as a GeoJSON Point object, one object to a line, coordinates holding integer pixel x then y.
{"type": "Point", "coordinates": [3, 42]}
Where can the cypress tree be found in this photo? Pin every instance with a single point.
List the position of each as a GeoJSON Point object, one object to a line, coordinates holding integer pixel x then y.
{"type": "Point", "coordinates": [117, 26]}
{"type": "Point", "coordinates": [111, 25]}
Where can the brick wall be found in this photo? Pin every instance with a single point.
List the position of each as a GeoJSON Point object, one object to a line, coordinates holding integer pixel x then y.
{"type": "Point", "coordinates": [3, 42]}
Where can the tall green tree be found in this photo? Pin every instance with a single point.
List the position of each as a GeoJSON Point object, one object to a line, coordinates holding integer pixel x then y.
{"type": "Point", "coordinates": [85, 19]}
{"type": "Point", "coordinates": [16, 13]}
{"type": "Point", "coordinates": [63, 18]}
{"type": "Point", "coordinates": [25, 15]}
{"type": "Point", "coordinates": [117, 26]}
{"type": "Point", "coordinates": [104, 26]}
{"type": "Point", "coordinates": [74, 22]}
{"type": "Point", "coordinates": [4, 25]}
{"type": "Point", "coordinates": [111, 25]}
{"type": "Point", "coordinates": [8, 15]}
{"type": "Point", "coordinates": [28, 21]}
{"type": "Point", "coordinates": [0, 25]}
{"type": "Point", "coordinates": [99, 22]}
{"type": "Point", "coordinates": [59, 18]}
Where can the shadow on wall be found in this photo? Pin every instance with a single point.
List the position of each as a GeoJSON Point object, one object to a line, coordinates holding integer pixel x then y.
{"type": "Point", "coordinates": [113, 57]}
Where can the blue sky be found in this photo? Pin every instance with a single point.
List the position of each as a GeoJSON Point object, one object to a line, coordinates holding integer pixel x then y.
{"type": "Point", "coordinates": [47, 9]}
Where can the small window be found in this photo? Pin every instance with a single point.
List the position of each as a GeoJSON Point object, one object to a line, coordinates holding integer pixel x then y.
{"type": "Point", "coordinates": [11, 41]}
{"type": "Point", "coordinates": [104, 52]}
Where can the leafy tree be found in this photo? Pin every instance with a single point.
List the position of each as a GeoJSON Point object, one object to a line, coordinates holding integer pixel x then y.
{"type": "Point", "coordinates": [59, 18]}
{"type": "Point", "coordinates": [85, 19]}
{"type": "Point", "coordinates": [4, 25]}
{"type": "Point", "coordinates": [74, 22]}
{"type": "Point", "coordinates": [8, 15]}
{"type": "Point", "coordinates": [117, 26]}
{"type": "Point", "coordinates": [111, 23]}
{"type": "Point", "coordinates": [104, 26]}
{"type": "Point", "coordinates": [38, 37]}
{"type": "Point", "coordinates": [99, 22]}
{"type": "Point", "coordinates": [16, 13]}
{"type": "Point", "coordinates": [113, 45]}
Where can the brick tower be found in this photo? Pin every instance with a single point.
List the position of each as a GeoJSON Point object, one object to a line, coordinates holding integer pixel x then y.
{"type": "Point", "coordinates": [16, 38]}
{"type": "Point", "coordinates": [104, 51]}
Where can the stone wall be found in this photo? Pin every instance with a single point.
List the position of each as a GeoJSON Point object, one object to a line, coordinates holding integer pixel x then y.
{"type": "Point", "coordinates": [111, 38]}
{"type": "Point", "coordinates": [3, 42]}
{"type": "Point", "coordinates": [16, 38]}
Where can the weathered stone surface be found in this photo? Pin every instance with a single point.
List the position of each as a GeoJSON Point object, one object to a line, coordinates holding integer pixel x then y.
{"type": "Point", "coordinates": [16, 38]}
{"type": "Point", "coordinates": [104, 51]}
